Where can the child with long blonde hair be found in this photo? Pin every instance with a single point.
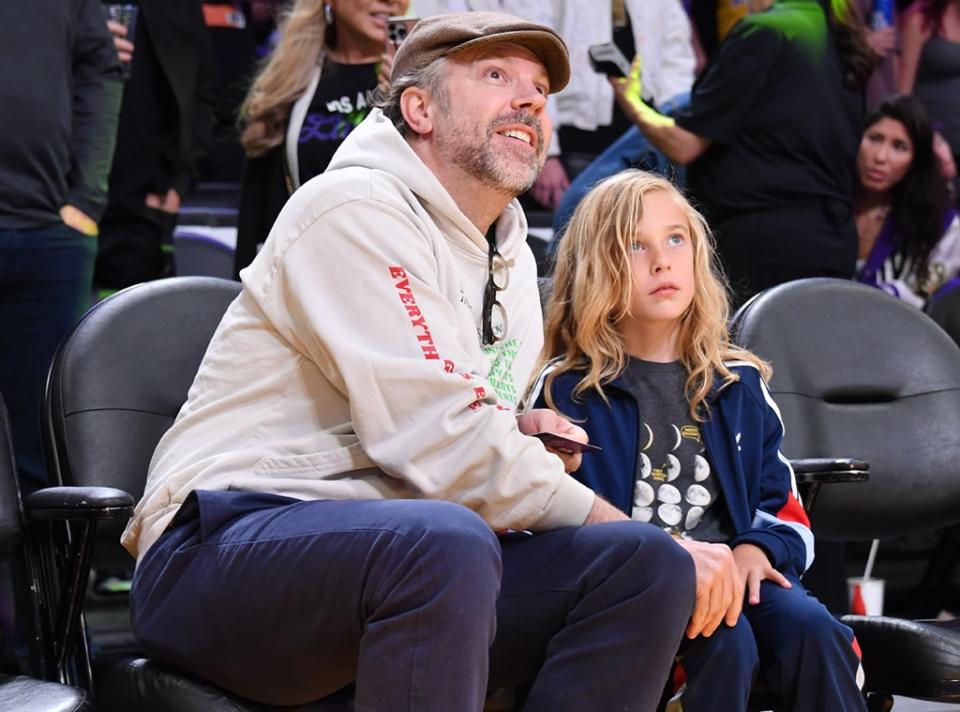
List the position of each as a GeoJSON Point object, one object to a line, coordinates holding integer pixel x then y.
{"type": "Point", "coordinates": [637, 353]}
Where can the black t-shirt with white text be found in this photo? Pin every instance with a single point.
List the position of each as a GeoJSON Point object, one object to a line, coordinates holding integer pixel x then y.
{"type": "Point", "coordinates": [343, 98]}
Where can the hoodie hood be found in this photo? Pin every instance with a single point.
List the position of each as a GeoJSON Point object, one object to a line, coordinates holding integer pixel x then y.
{"type": "Point", "coordinates": [377, 145]}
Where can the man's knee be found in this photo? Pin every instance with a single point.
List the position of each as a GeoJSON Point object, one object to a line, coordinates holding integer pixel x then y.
{"type": "Point", "coordinates": [653, 557]}
{"type": "Point", "coordinates": [451, 540]}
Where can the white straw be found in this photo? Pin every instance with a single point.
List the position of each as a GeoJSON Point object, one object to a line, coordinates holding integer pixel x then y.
{"type": "Point", "coordinates": [871, 558]}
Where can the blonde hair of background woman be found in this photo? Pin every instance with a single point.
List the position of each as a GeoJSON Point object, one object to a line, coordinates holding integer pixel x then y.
{"type": "Point", "coordinates": [284, 77]}
{"type": "Point", "coordinates": [592, 289]}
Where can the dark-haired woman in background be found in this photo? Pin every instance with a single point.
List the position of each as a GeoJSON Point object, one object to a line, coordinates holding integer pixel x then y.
{"type": "Point", "coordinates": [771, 135]}
{"type": "Point", "coordinates": [909, 235]}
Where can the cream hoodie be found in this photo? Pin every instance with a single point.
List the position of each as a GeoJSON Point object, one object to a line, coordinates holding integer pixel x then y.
{"type": "Point", "coordinates": [350, 366]}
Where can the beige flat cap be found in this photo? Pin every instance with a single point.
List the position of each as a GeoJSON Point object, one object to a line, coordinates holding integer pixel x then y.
{"type": "Point", "coordinates": [444, 35]}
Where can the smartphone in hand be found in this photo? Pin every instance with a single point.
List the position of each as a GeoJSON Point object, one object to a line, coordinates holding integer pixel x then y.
{"type": "Point", "coordinates": [607, 59]}
{"type": "Point", "coordinates": [564, 444]}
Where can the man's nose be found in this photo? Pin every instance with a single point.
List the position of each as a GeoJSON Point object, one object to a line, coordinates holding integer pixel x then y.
{"type": "Point", "coordinates": [529, 96]}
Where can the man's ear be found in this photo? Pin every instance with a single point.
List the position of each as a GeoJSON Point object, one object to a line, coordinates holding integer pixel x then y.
{"type": "Point", "coordinates": [417, 107]}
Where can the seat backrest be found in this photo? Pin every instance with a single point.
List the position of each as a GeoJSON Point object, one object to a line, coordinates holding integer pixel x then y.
{"type": "Point", "coordinates": [120, 377]}
{"type": "Point", "coordinates": [858, 373]}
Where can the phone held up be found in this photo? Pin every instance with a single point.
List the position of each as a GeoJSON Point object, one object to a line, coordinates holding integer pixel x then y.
{"type": "Point", "coordinates": [607, 59]}
{"type": "Point", "coordinates": [398, 28]}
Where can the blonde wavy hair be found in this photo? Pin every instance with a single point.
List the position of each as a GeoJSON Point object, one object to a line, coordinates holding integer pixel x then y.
{"type": "Point", "coordinates": [592, 289]}
{"type": "Point", "coordinates": [284, 77]}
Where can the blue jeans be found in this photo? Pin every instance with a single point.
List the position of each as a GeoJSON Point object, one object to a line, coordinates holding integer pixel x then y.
{"type": "Point", "coordinates": [631, 150]}
{"type": "Point", "coordinates": [286, 601]}
{"type": "Point", "coordinates": [45, 282]}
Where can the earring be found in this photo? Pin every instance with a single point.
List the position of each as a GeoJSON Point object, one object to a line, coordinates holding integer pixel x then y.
{"type": "Point", "coordinates": [328, 14]}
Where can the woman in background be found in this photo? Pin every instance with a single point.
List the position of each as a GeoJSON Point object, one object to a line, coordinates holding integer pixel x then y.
{"type": "Point", "coordinates": [908, 234]}
{"type": "Point", "coordinates": [318, 84]}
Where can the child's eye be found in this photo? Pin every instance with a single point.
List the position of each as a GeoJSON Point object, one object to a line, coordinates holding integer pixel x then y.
{"type": "Point", "coordinates": [637, 246]}
{"type": "Point", "coordinates": [675, 240]}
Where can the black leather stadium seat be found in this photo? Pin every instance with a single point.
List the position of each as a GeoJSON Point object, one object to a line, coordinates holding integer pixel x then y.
{"type": "Point", "coordinates": [858, 373]}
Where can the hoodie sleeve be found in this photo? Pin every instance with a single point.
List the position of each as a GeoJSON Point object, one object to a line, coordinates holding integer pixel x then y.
{"type": "Point", "coordinates": [360, 294]}
{"type": "Point", "coordinates": [780, 524]}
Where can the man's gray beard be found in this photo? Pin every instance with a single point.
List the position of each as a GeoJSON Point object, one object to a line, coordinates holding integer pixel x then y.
{"type": "Point", "coordinates": [480, 160]}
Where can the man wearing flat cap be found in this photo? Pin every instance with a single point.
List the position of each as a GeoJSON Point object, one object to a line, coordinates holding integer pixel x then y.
{"type": "Point", "coordinates": [349, 495]}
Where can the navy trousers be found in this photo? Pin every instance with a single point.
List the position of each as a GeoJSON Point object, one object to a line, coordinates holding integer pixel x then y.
{"type": "Point", "coordinates": [791, 642]}
{"type": "Point", "coordinates": [285, 601]}
{"type": "Point", "coordinates": [45, 277]}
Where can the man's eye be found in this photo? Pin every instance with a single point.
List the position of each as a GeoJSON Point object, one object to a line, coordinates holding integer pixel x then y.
{"type": "Point", "coordinates": [494, 74]}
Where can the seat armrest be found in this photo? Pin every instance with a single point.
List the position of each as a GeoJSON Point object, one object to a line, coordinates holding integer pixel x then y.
{"type": "Point", "coordinates": [78, 503]}
{"type": "Point", "coordinates": [817, 470]}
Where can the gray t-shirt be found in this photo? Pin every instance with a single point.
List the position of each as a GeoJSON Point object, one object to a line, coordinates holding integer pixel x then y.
{"type": "Point", "coordinates": [675, 488]}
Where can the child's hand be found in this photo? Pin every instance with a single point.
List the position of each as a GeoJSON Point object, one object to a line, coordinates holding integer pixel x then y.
{"type": "Point", "coordinates": [544, 420]}
{"type": "Point", "coordinates": [755, 568]}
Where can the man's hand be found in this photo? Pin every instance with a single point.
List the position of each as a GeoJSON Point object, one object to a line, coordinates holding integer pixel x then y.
{"type": "Point", "coordinates": [754, 568]}
{"type": "Point", "coordinates": [169, 202]}
{"type": "Point", "coordinates": [123, 46]}
{"type": "Point", "coordinates": [719, 587]}
{"type": "Point", "coordinates": [551, 184]}
{"type": "Point", "coordinates": [543, 420]}
{"type": "Point", "coordinates": [602, 511]}
{"type": "Point", "coordinates": [78, 220]}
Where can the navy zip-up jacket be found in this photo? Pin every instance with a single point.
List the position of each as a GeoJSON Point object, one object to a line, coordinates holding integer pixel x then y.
{"type": "Point", "coordinates": [742, 436]}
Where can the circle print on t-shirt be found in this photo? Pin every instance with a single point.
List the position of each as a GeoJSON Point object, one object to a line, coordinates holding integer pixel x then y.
{"type": "Point", "coordinates": [674, 484]}
{"type": "Point", "coordinates": [674, 487]}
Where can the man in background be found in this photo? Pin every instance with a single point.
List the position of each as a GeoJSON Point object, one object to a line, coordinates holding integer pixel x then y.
{"type": "Point", "coordinates": [60, 86]}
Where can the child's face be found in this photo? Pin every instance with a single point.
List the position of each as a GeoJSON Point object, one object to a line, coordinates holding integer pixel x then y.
{"type": "Point", "coordinates": [662, 254]}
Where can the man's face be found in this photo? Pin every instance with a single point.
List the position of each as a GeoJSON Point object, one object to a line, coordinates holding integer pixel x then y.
{"type": "Point", "coordinates": [492, 122]}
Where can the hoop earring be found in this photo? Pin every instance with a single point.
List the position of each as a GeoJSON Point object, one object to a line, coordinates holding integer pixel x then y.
{"type": "Point", "coordinates": [328, 15]}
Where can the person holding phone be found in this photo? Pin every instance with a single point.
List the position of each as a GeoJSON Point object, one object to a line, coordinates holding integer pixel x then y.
{"type": "Point", "coordinates": [587, 118]}
{"type": "Point", "coordinates": [770, 137]}
{"type": "Point", "coordinates": [318, 84]}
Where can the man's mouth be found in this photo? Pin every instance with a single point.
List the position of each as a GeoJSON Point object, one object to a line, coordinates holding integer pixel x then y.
{"type": "Point", "coordinates": [520, 127]}
{"type": "Point", "coordinates": [524, 136]}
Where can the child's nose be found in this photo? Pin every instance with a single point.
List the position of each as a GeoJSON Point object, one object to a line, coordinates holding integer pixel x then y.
{"type": "Point", "coordinates": [660, 262]}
